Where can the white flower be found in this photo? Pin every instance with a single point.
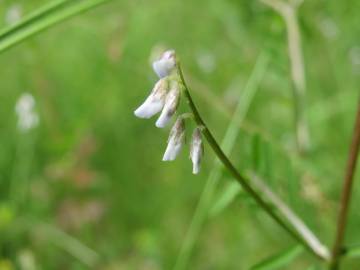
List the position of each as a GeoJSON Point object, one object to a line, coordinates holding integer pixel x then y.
{"type": "Point", "coordinates": [24, 108]}
{"type": "Point", "coordinates": [176, 140]}
{"type": "Point", "coordinates": [13, 14]}
{"type": "Point", "coordinates": [196, 150]}
{"type": "Point", "coordinates": [171, 103]}
{"type": "Point", "coordinates": [166, 64]}
{"type": "Point", "coordinates": [155, 101]}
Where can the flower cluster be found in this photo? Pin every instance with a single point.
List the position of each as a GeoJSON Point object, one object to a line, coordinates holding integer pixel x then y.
{"type": "Point", "coordinates": [165, 97]}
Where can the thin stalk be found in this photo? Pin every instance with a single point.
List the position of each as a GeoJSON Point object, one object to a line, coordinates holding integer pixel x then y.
{"type": "Point", "coordinates": [238, 177]}
{"type": "Point", "coordinates": [227, 144]}
{"type": "Point", "coordinates": [19, 184]}
{"type": "Point", "coordinates": [346, 194]}
{"type": "Point", "coordinates": [40, 23]}
{"type": "Point", "coordinates": [295, 221]}
{"type": "Point", "coordinates": [297, 70]}
{"type": "Point", "coordinates": [40, 12]}
{"type": "Point", "coordinates": [59, 238]}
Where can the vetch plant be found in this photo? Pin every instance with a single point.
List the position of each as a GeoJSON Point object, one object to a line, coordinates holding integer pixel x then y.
{"type": "Point", "coordinates": [165, 97]}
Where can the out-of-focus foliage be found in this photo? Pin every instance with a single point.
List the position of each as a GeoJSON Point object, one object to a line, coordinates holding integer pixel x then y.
{"type": "Point", "coordinates": [85, 187]}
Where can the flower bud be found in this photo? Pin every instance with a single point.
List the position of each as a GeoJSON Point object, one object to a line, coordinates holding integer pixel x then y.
{"type": "Point", "coordinates": [176, 140]}
{"type": "Point", "coordinates": [155, 101]}
{"type": "Point", "coordinates": [171, 103]}
{"type": "Point", "coordinates": [166, 64]}
{"type": "Point", "coordinates": [196, 150]}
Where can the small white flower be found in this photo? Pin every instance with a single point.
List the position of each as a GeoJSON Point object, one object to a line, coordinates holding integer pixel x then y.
{"type": "Point", "coordinates": [171, 103]}
{"type": "Point", "coordinates": [155, 101]}
{"type": "Point", "coordinates": [13, 14]}
{"type": "Point", "coordinates": [166, 64]}
{"type": "Point", "coordinates": [25, 110]}
{"type": "Point", "coordinates": [176, 140]}
{"type": "Point", "coordinates": [196, 150]}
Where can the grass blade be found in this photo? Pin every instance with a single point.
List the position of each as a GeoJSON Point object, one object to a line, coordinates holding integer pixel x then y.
{"type": "Point", "coordinates": [70, 244]}
{"type": "Point", "coordinates": [227, 196]}
{"type": "Point", "coordinates": [40, 12]}
{"type": "Point", "coordinates": [43, 20]}
{"type": "Point", "coordinates": [296, 222]}
{"type": "Point", "coordinates": [280, 260]}
{"type": "Point", "coordinates": [353, 252]}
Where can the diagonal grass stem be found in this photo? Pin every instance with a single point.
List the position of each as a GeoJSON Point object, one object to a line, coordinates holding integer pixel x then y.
{"type": "Point", "coordinates": [43, 19]}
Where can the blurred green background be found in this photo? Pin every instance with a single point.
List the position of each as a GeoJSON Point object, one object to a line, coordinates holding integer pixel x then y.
{"type": "Point", "coordinates": [86, 187]}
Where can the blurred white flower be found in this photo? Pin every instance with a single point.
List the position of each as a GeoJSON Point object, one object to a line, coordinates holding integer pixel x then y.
{"type": "Point", "coordinates": [329, 28]}
{"type": "Point", "coordinates": [166, 64]}
{"type": "Point", "coordinates": [155, 101]}
{"type": "Point", "coordinates": [176, 140]}
{"type": "Point", "coordinates": [13, 14]}
{"type": "Point", "coordinates": [206, 61]}
{"type": "Point", "coordinates": [196, 150]}
{"type": "Point", "coordinates": [354, 57]}
{"type": "Point", "coordinates": [171, 103]}
{"type": "Point", "coordinates": [27, 260]}
{"type": "Point", "coordinates": [25, 110]}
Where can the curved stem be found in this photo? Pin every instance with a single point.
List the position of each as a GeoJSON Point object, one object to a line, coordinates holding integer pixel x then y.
{"type": "Point", "coordinates": [346, 193]}
{"type": "Point", "coordinates": [238, 177]}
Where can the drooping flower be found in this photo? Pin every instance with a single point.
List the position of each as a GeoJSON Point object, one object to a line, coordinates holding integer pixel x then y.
{"type": "Point", "coordinates": [166, 64]}
{"type": "Point", "coordinates": [196, 150]}
{"type": "Point", "coordinates": [176, 140]}
{"type": "Point", "coordinates": [154, 102]}
{"type": "Point", "coordinates": [25, 110]}
{"type": "Point", "coordinates": [171, 103]}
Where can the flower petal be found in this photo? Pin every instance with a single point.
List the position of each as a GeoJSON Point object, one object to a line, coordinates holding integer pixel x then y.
{"type": "Point", "coordinates": [176, 140]}
{"type": "Point", "coordinates": [171, 152]}
{"type": "Point", "coordinates": [163, 119]}
{"type": "Point", "coordinates": [150, 107]}
{"type": "Point", "coordinates": [171, 103]}
{"type": "Point", "coordinates": [166, 64]}
{"type": "Point", "coordinates": [196, 150]}
{"type": "Point", "coordinates": [155, 101]}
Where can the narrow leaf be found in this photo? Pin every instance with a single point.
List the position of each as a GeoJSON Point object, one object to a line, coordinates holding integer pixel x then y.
{"type": "Point", "coordinates": [42, 20]}
{"type": "Point", "coordinates": [279, 260]}
{"type": "Point", "coordinates": [40, 12]}
{"type": "Point", "coordinates": [255, 150]}
{"type": "Point", "coordinates": [226, 198]}
{"type": "Point", "coordinates": [353, 252]}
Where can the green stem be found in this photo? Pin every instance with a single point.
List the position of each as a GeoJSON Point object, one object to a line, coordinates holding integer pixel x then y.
{"type": "Point", "coordinates": [238, 177]}
{"type": "Point", "coordinates": [206, 197]}
{"type": "Point", "coordinates": [31, 18]}
{"type": "Point", "coordinates": [42, 20]}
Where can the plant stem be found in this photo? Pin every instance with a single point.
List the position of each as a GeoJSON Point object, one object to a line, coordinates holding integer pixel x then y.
{"type": "Point", "coordinates": [238, 177]}
{"type": "Point", "coordinates": [202, 210]}
{"type": "Point", "coordinates": [346, 194]}
{"type": "Point", "coordinates": [297, 71]}
{"type": "Point", "coordinates": [291, 217]}
{"type": "Point", "coordinates": [32, 17]}
{"type": "Point", "coordinates": [42, 20]}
